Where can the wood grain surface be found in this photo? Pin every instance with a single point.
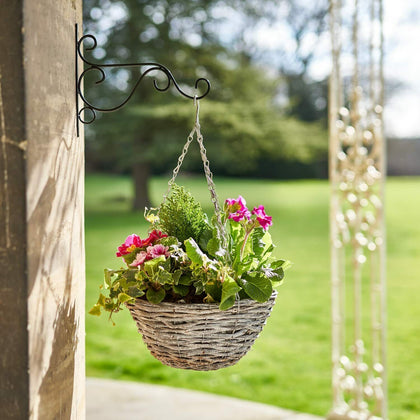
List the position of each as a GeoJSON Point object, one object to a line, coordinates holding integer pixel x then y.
{"type": "Point", "coordinates": [48, 250]}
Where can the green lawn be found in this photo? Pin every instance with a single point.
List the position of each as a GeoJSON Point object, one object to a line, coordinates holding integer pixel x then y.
{"type": "Point", "coordinates": [289, 365]}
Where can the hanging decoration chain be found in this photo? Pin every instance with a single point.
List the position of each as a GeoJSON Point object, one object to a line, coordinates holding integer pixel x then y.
{"type": "Point", "coordinates": [206, 165]}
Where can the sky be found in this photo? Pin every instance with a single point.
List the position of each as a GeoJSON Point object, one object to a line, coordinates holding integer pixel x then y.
{"type": "Point", "coordinates": [402, 62]}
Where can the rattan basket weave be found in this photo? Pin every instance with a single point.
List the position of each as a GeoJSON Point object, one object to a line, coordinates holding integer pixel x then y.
{"type": "Point", "coordinates": [199, 336]}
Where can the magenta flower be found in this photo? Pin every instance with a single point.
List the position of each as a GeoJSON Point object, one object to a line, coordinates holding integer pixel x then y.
{"type": "Point", "coordinates": [264, 220]}
{"type": "Point", "coordinates": [157, 250]}
{"type": "Point", "coordinates": [140, 259]}
{"type": "Point", "coordinates": [154, 236]}
{"type": "Point", "coordinates": [237, 209]}
{"type": "Point", "coordinates": [131, 243]}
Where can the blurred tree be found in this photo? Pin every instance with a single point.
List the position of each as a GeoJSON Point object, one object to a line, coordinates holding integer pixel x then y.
{"type": "Point", "coordinates": [242, 123]}
{"type": "Point", "coordinates": [307, 22]}
{"type": "Point", "coordinates": [174, 33]}
{"type": "Point", "coordinates": [239, 134]}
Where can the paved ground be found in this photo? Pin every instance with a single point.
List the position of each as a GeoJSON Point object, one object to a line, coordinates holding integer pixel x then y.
{"type": "Point", "coordinates": [119, 400]}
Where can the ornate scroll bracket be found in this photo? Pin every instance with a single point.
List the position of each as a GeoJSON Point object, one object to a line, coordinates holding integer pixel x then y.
{"type": "Point", "coordinates": [100, 68]}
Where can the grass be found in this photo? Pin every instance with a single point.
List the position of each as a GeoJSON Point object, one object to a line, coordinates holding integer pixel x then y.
{"type": "Point", "coordinates": [289, 365]}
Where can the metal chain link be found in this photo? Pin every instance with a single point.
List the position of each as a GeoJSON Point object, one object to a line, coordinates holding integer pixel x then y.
{"type": "Point", "coordinates": [212, 187]}
{"type": "Point", "coordinates": [209, 175]}
{"type": "Point", "coordinates": [179, 164]}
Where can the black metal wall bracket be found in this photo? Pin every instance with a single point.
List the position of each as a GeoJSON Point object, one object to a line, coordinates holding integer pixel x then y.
{"type": "Point", "coordinates": [144, 69]}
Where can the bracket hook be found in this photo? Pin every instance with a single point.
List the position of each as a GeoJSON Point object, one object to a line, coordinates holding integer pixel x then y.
{"type": "Point", "coordinates": [91, 66]}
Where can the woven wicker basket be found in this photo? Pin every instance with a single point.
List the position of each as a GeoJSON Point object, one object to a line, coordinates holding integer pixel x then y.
{"type": "Point", "coordinates": [199, 336]}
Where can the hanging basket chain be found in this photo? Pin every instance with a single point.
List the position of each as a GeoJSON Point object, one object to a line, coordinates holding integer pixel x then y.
{"type": "Point", "coordinates": [209, 178]}
{"type": "Point", "coordinates": [179, 164]}
{"type": "Point", "coordinates": [209, 175]}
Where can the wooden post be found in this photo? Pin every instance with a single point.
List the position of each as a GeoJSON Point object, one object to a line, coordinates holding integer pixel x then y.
{"type": "Point", "coordinates": [42, 283]}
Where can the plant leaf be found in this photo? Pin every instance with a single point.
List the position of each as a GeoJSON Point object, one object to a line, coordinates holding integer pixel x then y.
{"type": "Point", "coordinates": [140, 275]}
{"type": "Point", "coordinates": [275, 275]}
{"type": "Point", "coordinates": [199, 287]}
{"type": "Point", "coordinates": [181, 289]}
{"type": "Point", "coordinates": [101, 300]}
{"type": "Point", "coordinates": [284, 264]}
{"type": "Point", "coordinates": [155, 296]}
{"type": "Point", "coordinates": [123, 297]}
{"type": "Point", "coordinates": [237, 231]}
{"type": "Point", "coordinates": [134, 292]}
{"type": "Point", "coordinates": [176, 275]}
{"type": "Point", "coordinates": [214, 289]}
{"type": "Point", "coordinates": [151, 265]}
{"type": "Point", "coordinates": [96, 309]}
{"type": "Point", "coordinates": [205, 237]}
{"type": "Point", "coordinates": [227, 303]}
{"type": "Point", "coordinates": [229, 290]}
{"type": "Point", "coordinates": [107, 278]}
{"type": "Point", "coordinates": [244, 265]}
{"type": "Point", "coordinates": [213, 246]}
{"type": "Point", "coordinates": [186, 280]}
{"type": "Point", "coordinates": [195, 254]}
{"type": "Point", "coordinates": [168, 241]}
{"type": "Point", "coordinates": [258, 244]}
{"type": "Point", "coordinates": [164, 277]}
{"type": "Point", "coordinates": [257, 286]}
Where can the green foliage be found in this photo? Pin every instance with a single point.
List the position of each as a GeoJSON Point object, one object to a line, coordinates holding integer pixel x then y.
{"type": "Point", "coordinates": [238, 138]}
{"type": "Point", "coordinates": [194, 252]}
{"type": "Point", "coordinates": [159, 278]}
{"type": "Point", "coordinates": [229, 290]}
{"type": "Point", "coordinates": [257, 285]}
{"type": "Point", "coordinates": [160, 267]}
{"type": "Point", "coordinates": [182, 216]}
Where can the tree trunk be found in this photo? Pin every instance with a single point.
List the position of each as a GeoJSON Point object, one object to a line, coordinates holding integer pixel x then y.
{"type": "Point", "coordinates": [141, 175]}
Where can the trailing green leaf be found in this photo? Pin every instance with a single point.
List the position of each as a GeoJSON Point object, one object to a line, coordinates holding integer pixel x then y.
{"type": "Point", "coordinates": [96, 309]}
{"type": "Point", "coordinates": [135, 292]}
{"type": "Point", "coordinates": [107, 273]}
{"type": "Point", "coordinates": [123, 297]}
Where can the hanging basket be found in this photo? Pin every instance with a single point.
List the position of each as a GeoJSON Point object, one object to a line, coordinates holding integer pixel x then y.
{"type": "Point", "coordinates": [199, 336]}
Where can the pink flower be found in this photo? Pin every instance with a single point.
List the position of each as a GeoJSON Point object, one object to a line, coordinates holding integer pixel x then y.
{"type": "Point", "coordinates": [131, 243]}
{"type": "Point", "coordinates": [140, 259]}
{"type": "Point", "coordinates": [153, 237]}
{"type": "Point", "coordinates": [237, 209]}
{"type": "Point", "coordinates": [157, 250]}
{"type": "Point", "coordinates": [264, 220]}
